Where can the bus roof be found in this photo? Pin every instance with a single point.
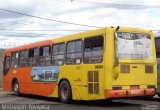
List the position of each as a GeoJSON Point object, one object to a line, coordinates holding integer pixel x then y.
{"type": "Point", "coordinates": [51, 41]}
{"type": "Point", "coordinates": [80, 35]}
{"type": "Point", "coordinates": [31, 45]}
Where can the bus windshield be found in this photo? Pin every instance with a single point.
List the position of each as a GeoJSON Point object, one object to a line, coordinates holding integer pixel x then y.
{"type": "Point", "coordinates": [133, 45]}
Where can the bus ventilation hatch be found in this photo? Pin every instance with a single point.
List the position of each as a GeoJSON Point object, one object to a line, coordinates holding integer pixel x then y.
{"type": "Point", "coordinates": [93, 82]}
{"type": "Point", "coordinates": [125, 68]}
{"type": "Point", "coordinates": [148, 69]}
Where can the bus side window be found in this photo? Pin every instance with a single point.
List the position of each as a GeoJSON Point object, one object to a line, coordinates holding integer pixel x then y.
{"type": "Point", "coordinates": [34, 57]}
{"type": "Point", "coordinates": [93, 49]}
{"type": "Point", "coordinates": [157, 40]}
{"type": "Point", "coordinates": [45, 59]}
{"type": "Point", "coordinates": [58, 52]}
{"type": "Point", "coordinates": [6, 65]}
{"type": "Point", "coordinates": [74, 52]}
{"type": "Point", "coordinates": [14, 63]}
{"type": "Point", "coordinates": [23, 62]}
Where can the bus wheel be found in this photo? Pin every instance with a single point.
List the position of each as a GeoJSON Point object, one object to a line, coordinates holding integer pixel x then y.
{"type": "Point", "coordinates": [159, 95]}
{"type": "Point", "coordinates": [15, 87]}
{"type": "Point", "coordinates": [65, 93]}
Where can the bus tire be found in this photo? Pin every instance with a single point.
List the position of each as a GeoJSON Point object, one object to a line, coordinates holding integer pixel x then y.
{"type": "Point", "coordinates": [15, 88]}
{"type": "Point", "coordinates": [158, 95]}
{"type": "Point", "coordinates": [65, 93]}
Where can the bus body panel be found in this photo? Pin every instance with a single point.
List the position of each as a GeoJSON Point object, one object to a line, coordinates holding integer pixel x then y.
{"type": "Point", "coordinates": [77, 75]}
{"type": "Point", "coordinates": [136, 77]}
{"type": "Point", "coordinates": [157, 44]}
{"type": "Point", "coordinates": [26, 84]}
{"type": "Point", "coordinates": [158, 76]}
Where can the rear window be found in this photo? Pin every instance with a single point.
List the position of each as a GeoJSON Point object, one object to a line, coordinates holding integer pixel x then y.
{"type": "Point", "coordinates": [14, 63]}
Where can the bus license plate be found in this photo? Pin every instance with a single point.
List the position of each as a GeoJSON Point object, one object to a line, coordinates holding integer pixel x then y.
{"type": "Point", "coordinates": [135, 92]}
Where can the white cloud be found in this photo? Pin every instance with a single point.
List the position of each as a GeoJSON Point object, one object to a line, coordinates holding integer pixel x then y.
{"type": "Point", "coordinates": [77, 12]}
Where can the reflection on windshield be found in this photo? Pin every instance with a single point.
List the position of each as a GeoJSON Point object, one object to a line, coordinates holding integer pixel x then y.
{"type": "Point", "coordinates": [133, 45]}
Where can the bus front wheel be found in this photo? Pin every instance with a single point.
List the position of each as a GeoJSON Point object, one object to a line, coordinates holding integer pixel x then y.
{"type": "Point", "coordinates": [15, 87]}
{"type": "Point", "coordinates": [65, 93]}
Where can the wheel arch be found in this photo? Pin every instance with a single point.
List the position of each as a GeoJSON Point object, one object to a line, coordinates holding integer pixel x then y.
{"type": "Point", "coordinates": [60, 81]}
{"type": "Point", "coordinates": [13, 80]}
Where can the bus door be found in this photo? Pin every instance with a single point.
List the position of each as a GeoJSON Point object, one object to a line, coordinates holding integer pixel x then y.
{"type": "Point", "coordinates": [93, 66]}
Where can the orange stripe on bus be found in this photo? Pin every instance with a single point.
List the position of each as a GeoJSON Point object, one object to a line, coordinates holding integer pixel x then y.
{"type": "Point", "coordinates": [129, 93]}
{"type": "Point", "coordinates": [28, 46]}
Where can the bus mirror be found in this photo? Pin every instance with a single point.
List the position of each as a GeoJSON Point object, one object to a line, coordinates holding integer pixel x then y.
{"type": "Point", "coordinates": [117, 29]}
{"type": "Point", "coordinates": [116, 49]}
{"type": "Point", "coordinates": [115, 72]}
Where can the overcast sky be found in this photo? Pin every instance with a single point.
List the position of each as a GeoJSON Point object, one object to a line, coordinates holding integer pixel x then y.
{"type": "Point", "coordinates": [102, 13]}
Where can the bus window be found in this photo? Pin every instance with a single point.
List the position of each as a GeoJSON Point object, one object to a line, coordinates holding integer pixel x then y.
{"type": "Point", "coordinates": [157, 40]}
{"type": "Point", "coordinates": [93, 49]}
{"type": "Point", "coordinates": [23, 58]}
{"type": "Point", "coordinates": [74, 52]}
{"type": "Point", "coordinates": [14, 63]}
{"type": "Point", "coordinates": [44, 56]}
{"type": "Point", "coordinates": [58, 52]}
{"type": "Point", "coordinates": [33, 57]}
{"type": "Point", "coordinates": [6, 65]}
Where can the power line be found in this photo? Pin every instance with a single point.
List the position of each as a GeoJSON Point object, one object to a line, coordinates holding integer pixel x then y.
{"type": "Point", "coordinates": [30, 34]}
{"type": "Point", "coordinates": [11, 30]}
{"type": "Point", "coordinates": [36, 25]}
{"type": "Point", "coordinates": [127, 3]}
{"type": "Point", "coordinates": [117, 3]}
{"type": "Point", "coordinates": [103, 1]}
{"type": "Point", "coordinates": [50, 20]}
{"type": "Point", "coordinates": [47, 18]}
{"type": "Point", "coordinates": [25, 23]}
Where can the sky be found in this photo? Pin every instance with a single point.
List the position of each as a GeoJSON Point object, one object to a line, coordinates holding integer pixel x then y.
{"type": "Point", "coordinates": [63, 17]}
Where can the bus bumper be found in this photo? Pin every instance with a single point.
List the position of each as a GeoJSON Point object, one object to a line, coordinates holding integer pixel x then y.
{"type": "Point", "coordinates": [129, 93]}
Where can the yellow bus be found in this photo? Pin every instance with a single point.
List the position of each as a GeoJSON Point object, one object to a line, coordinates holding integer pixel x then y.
{"type": "Point", "coordinates": [105, 63]}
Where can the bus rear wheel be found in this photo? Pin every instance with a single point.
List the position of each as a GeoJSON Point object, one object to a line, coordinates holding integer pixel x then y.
{"type": "Point", "coordinates": [15, 87]}
{"type": "Point", "coordinates": [159, 95]}
{"type": "Point", "coordinates": [65, 93]}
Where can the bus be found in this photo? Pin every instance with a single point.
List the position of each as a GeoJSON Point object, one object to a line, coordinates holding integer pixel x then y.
{"type": "Point", "coordinates": [157, 44]}
{"type": "Point", "coordinates": [105, 63]}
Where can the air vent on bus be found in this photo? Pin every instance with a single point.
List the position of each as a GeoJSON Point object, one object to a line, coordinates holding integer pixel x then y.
{"type": "Point", "coordinates": [90, 76]}
{"type": "Point", "coordinates": [90, 88]}
{"type": "Point", "coordinates": [96, 88]}
{"type": "Point", "coordinates": [96, 76]}
{"type": "Point", "coordinates": [148, 69]}
{"type": "Point", "coordinates": [125, 68]}
{"type": "Point", "coordinates": [93, 82]}
{"type": "Point", "coordinates": [117, 88]}
{"type": "Point", "coordinates": [150, 86]}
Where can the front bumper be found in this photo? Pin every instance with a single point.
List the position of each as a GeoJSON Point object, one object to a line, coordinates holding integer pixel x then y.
{"type": "Point", "coordinates": [129, 93]}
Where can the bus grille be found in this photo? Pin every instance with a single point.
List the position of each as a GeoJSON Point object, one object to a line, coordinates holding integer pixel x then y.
{"type": "Point", "coordinates": [93, 82]}
{"type": "Point", "coordinates": [125, 68]}
{"type": "Point", "coordinates": [148, 69]}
